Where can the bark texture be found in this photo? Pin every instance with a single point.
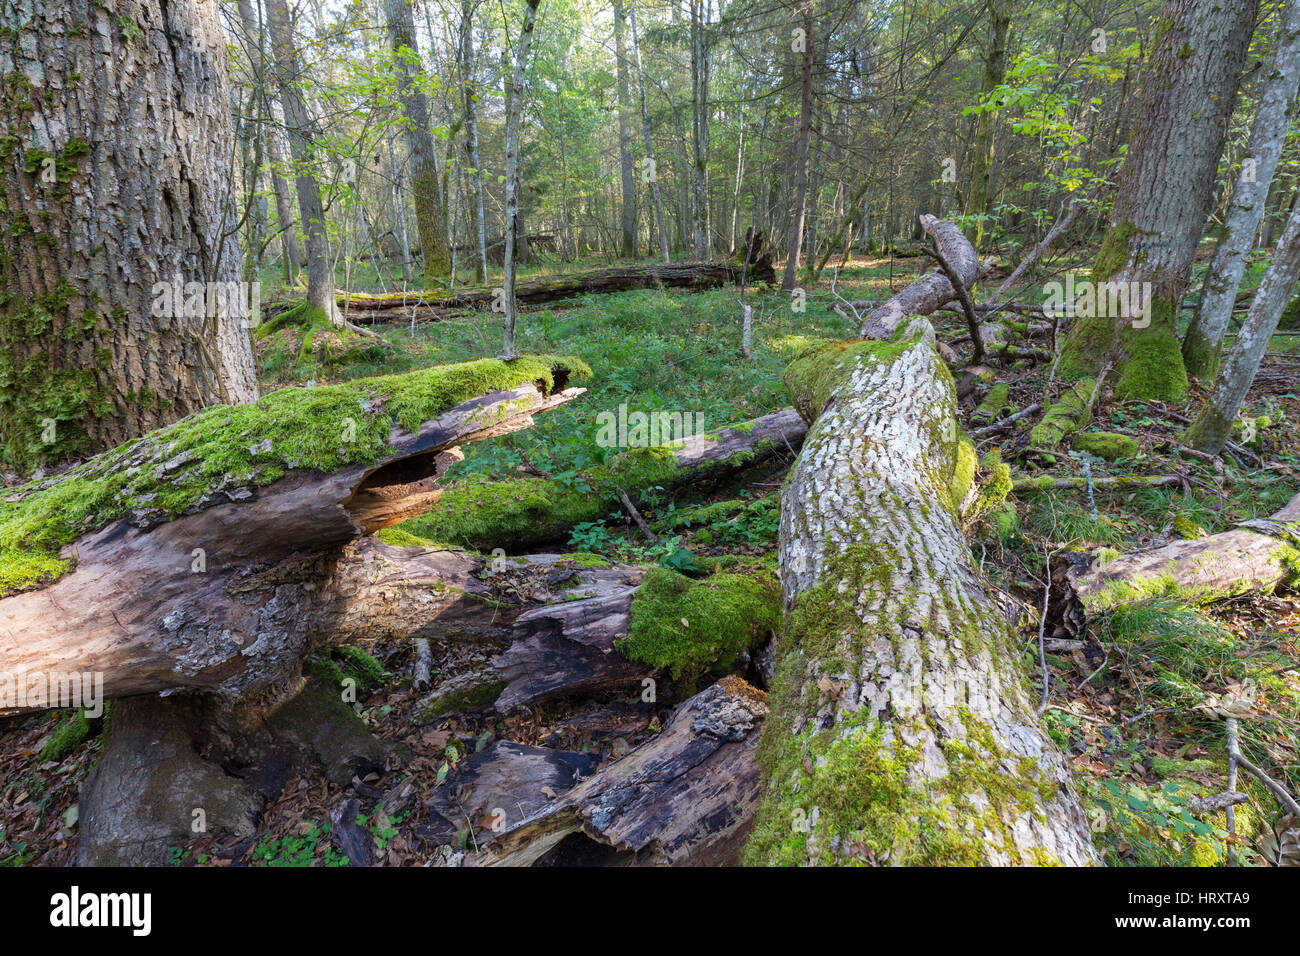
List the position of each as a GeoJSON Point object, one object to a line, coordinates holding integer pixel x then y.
{"type": "Point", "coordinates": [116, 176]}
{"type": "Point", "coordinates": [933, 289]}
{"type": "Point", "coordinates": [1204, 337]}
{"type": "Point", "coordinates": [1188, 94]}
{"type": "Point", "coordinates": [901, 729]}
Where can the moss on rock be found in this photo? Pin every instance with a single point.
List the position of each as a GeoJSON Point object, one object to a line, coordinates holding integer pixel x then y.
{"type": "Point", "coordinates": [1109, 445]}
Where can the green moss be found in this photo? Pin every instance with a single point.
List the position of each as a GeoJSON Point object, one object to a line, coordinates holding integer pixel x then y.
{"type": "Point", "coordinates": [1109, 445]}
{"type": "Point", "coordinates": [963, 473]}
{"type": "Point", "coordinates": [1068, 415]}
{"type": "Point", "coordinates": [995, 402]}
{"type": "Point", "coordinates": [72, 731]}
{"type": "Point", "coordinates": [689, 627]}
{"type": "Point", "coordinates": [473, 698]}
{"type": "Point", "coordinates": [1187, 529]}
{"type": "Point", "coordinates": [1114, 253]}
{"type": "Point", "coordinates": [183, 468]}
{"type": "Point", "coordinates": [993, 491]}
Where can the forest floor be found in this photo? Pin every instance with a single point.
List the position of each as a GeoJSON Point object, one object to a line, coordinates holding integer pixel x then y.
{"type": "Point", "coordinates": [1128, 708]}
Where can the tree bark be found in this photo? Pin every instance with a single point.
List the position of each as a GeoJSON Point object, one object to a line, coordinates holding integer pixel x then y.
{"type": "Point", "coordinates": [1188, 94]}
{"type": "Point", "coordinates": [932, 290]}
{"type": "Point", "coordinates": [1204, 338]}
{"type": "Point", "coordinates": [699, 130]}
{"type": "Point", "coordinates": [1213, 426]}
{"type": "Point", "coordinates": [114, 183]}
{"type": "Point", "coordinates": [429, 214]}
{"type": "Point", "coordinates": [469, 102]}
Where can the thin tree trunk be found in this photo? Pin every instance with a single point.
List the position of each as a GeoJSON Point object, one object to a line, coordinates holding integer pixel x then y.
{"type": "Point", "coordinates": [628, 246]}
{"type": "Point", "coordinates": [1204, 338]}
{"type": "Point", "coordinates": [651, 174]}
{"type": "Point", "coordinates": [303, 138]}
{"type": "Point", "coordinates": [995, 70]}
{"type": "Point", "coordinates": [513, 111]}
{"type": "Point", "coordinates": [1213, 427]}
{"type": "Point", "coordinates": [699, 132]}
{"type": "Point", "coordinates": [801, 161]}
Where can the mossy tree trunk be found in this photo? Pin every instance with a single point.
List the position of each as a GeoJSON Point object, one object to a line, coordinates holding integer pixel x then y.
{"type": "Point", "coordinates": [995, 71]}
{"type": "Point", "coordinates": [1188, 94]}
{"type": "Point", "coordinates": [429, 218]}
{"type": "Point", "coordinates": [1204, 337]}
{"type": "Point", "coordinates": [901, 727]}
{"type": "Point", "coordinates": [116, 159]}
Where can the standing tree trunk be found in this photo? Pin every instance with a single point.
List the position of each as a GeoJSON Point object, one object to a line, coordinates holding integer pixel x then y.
{"type": "Point", "coordinates": [627, 247]}
{"type": "Point", "coordinates": [699, 132]}
{"type": "Point", "coordinates": [1213, 427]}
{"type": "Point", "coordinates": [901, 728]}
{"type": "Point", "coordinates": [1188, 94]}
{"type": "Point", "coordinates": [651, 174]}
{"type": "Point", "coordinates": [429, 218]}
{"type": "Point", "coordinates": [514, 108]}
{"type": "Point", "coordinates": [995, 71]}
{"type": "Point", "coordinates": [112, 184]}
{"type": "Point", "coordinates": [801, 160]}
{"type": "Point", "coordinates": [469, 101]}
{"type": "Point", "coordinates": [303, 137]}
{"type": "Point", "coordinates": [283, 205]}
{"type": "Point", "coordinates": [1204, 338]}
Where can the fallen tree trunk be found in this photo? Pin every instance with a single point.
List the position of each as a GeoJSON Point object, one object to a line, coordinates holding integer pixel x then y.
{"type": "Point", "coordinates": [211, 549]}
{"type": "Point", "coordinates": [522, 513]}
{"type": "Point", "coordinates": [430, 304]}
{"type": "Point", "coordinates": [901, 729]}
{"type": "Point", "coordinates": [932, 290]}
{"type": "Point", "coordinates": [1257, 555]}
{"type": "Point", "coordinates": [685, 798]}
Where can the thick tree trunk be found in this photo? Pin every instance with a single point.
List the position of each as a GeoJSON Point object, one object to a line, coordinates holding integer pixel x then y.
{"type": "Point", "coordinates": [114, 183]}
{"type": "Point", "coordinates": [798, 210]}
{"type": "Point", "coordinates": [304, 137]}
{"type": "Point", "coordinates": [514, 110]}
{"type": "Point", "coordinates": [1204, 337]}
{"type": "Point", "coordinates": [1213, 426]}
{"type": "Point", "coordinates": [1188, 94]}
{"type": "Point", "coordinates": [429, 214]}
{"type": "Point", "coordinates": [186, 597]}
{"type": "Point", "coordinates": [901, 729]}
{"type": "Point", "coordinates": [995, 71]}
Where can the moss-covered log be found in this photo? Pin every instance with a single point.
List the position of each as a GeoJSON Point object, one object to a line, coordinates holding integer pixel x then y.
{"type": "Point", "coordinates": [210, 553]}
{"type": "Point", "coordinates": [901, 728]}
{"type": "Point", "coordinates": [431, 304]}
{"type": "Point", "coordinates": [522, 513]}
{"type": "Point", "coordinates": [1257, 555]}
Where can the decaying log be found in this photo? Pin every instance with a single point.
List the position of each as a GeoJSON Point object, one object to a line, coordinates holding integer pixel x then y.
{"type": "Point", "coordinates": [1257, 555]}
{"type": "Point", "coordinates": [684, 798]}
{"type": "Point", "coordinates": [902, 729]}
{"type": "Point", "coordinates": [521, 513]}
{"type": "Point", "coordinates": [566, 649]}
{"type": "Point", "coordinates": [431, 304]}
{"type": "Point", "coordinates": [933, 289]}
{"type": "Point", "coordinates": [141, 610]}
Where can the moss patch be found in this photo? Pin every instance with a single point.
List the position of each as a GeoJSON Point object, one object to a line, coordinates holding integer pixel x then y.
{"type": "Point", "coordinates": [1109, 445]}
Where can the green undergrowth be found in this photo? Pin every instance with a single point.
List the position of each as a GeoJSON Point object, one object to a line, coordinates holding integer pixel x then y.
{"type": "Point", "coordinates": [188, 465]}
